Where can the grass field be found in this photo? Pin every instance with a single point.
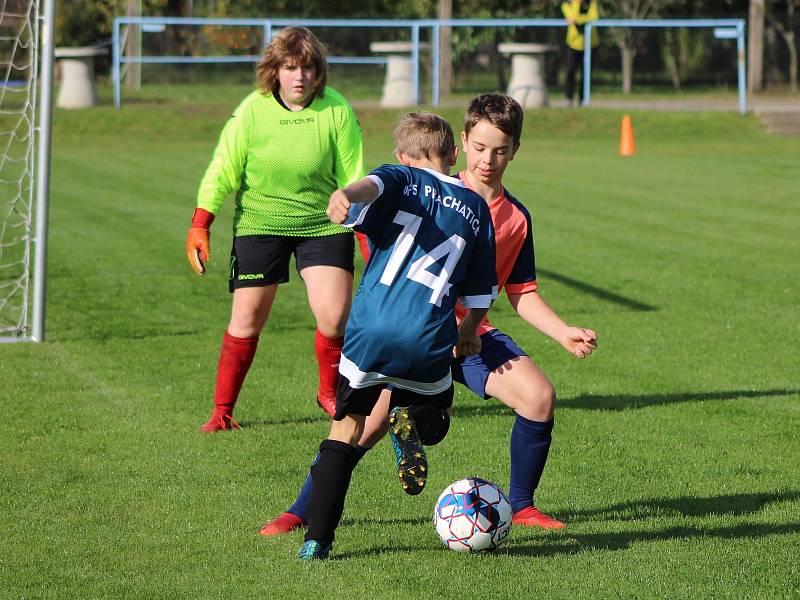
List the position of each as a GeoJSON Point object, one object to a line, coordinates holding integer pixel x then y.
{"type": "Point", "coordinates": [675, 455]}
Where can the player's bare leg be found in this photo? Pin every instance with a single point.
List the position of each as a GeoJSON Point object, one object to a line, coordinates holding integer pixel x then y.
{"type": "Point", "coordinates": [249, 312]}
{"type": "Point", "coordinates": [377, 423]}
{"type": "Point", "coordinates": [329, 290]}
{"type": "Point", "coordinates": [521, 385]}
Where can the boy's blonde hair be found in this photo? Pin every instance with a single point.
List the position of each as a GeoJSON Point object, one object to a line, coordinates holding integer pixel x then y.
{"type": "Point", "coordinates": [424, 135]}
{"type": "Point", "coordinates": [292, 43]}
{"type": "Point", "coordinates": [500, 110]}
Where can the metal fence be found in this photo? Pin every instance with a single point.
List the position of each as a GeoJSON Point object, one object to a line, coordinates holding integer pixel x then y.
{"type": "Point", "coordinates": [723, 28]}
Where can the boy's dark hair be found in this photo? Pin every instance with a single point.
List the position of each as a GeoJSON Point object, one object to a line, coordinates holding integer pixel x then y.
{"type": "Point", "coordinates": [500, 110]}
{"type": "Point", "coordinates": [424, 134]}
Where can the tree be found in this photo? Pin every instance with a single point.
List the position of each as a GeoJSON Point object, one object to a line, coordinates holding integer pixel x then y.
{"type": "Point", "coordinates": [787, 33]}
{"type": "Point", "coordinates": [626, 38]}
{"type": "Point", "coordinates": [682, 53]}
{"type": "Point", "coordinates": [133, 46]}
{"type": "Point", "coordinates": [755, 46]}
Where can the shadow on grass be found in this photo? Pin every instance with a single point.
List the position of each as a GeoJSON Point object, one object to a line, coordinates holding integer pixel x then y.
{"type": "Point", "coordinates": [573, 544]}
{"type": "Point", "coordinates": [285, 421]}
{"type": "Point", "coordinates": [627, 401]}
{"type": "Point", "coordinates": [383, 522]}
{"type": "Point", "coordinates": [608, 403]}
{"type": "Point", "coordinates": [565, 542]}
{"type": "Point", "coordinates": [597, 292]}
{"type": "Point", "coordinates": [687, 506]}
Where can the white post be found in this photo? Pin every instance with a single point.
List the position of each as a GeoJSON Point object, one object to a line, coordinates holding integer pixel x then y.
{"type": "Point", "coordinates": [43, 170]}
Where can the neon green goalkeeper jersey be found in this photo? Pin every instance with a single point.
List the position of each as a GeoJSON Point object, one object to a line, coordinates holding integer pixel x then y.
{"type": "Point", "coordinates": [283, 165]}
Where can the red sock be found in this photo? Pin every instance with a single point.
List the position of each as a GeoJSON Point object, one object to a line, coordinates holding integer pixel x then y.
{"type": "Point", "coordinates": [328, 352]}
{"type": "Point", "coordinates": [235, 359]}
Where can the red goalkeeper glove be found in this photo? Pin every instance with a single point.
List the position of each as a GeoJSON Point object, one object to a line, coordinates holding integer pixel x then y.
{"type": "Point", "coordinates": [198, 240]}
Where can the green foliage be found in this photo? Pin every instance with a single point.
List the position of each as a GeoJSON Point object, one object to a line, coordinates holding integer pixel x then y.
{"type": "Point", "coordinates": [85, 22]}
{"type": "Point", "coordinates": [684, 52]}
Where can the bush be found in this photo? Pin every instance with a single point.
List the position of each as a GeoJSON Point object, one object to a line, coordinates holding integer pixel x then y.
{"type": "Point", "coordinates": [84, 22]}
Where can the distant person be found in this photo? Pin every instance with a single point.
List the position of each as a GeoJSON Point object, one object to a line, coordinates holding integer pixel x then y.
{"type": "Point", "coordinates": [432, 244]}
{"type": "Point", "coordinates": [577, 13]}
{"type": "Point", "coordinates": [286, 148]}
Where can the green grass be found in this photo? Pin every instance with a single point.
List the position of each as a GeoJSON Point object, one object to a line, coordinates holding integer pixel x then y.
{"type": "Point", "coordinates": [675, 451]}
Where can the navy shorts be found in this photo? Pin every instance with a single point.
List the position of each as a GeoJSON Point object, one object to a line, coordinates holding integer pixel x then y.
{"type": "Point", "coordinates": [473, 371]}
{"type": "Point", "coordinates": [259, 260]}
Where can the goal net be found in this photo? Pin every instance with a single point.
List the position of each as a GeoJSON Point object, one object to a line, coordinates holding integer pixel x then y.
{"type": "Point", "coordinates": [24, 127]}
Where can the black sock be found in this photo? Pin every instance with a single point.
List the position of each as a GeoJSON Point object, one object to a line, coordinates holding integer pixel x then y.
{"type": "Point", "coordinates": [331, 478]}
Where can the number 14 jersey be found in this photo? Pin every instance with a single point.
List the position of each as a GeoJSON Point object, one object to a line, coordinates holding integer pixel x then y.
{"type": "Point", "coordinates": [432, 243]}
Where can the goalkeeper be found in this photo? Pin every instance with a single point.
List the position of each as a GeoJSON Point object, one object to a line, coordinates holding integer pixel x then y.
{"type": "Point", "coordinates": [286, 148]}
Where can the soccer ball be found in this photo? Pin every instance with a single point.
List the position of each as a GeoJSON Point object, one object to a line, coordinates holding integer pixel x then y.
{"type": "Point", "coordinates": [472, 515]}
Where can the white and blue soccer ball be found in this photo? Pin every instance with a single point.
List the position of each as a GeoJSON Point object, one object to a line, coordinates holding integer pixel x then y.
{"type": "Point", "coordinates": [472, 515]}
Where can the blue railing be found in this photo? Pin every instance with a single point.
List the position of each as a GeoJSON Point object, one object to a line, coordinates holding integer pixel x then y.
{"type": "Point", "coordinates": [723, 28]}
{"type": "Point", "coordinates": [267, 26]}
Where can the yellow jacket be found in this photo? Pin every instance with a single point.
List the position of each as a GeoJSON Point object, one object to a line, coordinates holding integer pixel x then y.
{"type": "Point", "coordinates": [575, 36]}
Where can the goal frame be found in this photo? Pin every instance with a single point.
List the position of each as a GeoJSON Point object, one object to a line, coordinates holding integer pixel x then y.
{"type": "Point", "coordinates": [33, 327]}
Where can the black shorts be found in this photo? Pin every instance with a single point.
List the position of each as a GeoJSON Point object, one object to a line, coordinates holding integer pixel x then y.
{"type": "Point", "coordinates": [259, 260]}
{"type": "Point", "coordinates": [352, 401]}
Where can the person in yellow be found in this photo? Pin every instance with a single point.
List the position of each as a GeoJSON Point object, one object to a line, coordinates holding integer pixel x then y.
{"type": "Point", "coordinates": [577, 13]}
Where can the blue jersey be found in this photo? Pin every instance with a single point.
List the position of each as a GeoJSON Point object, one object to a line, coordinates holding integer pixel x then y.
{"type": "Point", "coordinates": [432, 244]}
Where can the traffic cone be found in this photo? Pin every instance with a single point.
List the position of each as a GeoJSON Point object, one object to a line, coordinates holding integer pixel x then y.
{"type": "Point", "coordinates": [627, 147]}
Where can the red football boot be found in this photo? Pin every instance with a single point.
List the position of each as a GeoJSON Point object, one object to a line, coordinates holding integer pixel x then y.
{"type": "Point", "coordinates": [285, 523]}
{"type": "Point", "coordinates": [219, 422]}
{"type": "Point", "coordinates": [533, 517]}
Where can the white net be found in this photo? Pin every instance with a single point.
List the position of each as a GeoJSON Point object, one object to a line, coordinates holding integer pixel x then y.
{"type": "Point", "coordinates": [19, 43]}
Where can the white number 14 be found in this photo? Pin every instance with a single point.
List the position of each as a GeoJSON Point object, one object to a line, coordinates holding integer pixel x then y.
{"type": "Point", "coordinates": [418, 271]}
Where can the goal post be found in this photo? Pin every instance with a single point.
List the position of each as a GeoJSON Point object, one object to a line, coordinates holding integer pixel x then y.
{"type": "Point", "coordinates": [723, 29]}
{"type": "Point", "coordinates": [27, 35]}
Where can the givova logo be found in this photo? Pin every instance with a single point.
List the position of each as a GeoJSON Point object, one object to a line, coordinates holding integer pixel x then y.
{"type": "Point", "coordinates": [249, 276]}
{"type": "Point", "coordinates": [298, 121]}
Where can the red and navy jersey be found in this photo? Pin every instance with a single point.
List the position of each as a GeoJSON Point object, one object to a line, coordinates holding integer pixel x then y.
{"type": "Point", "coordinates": [513, 235]}
{"type": "Point", "coordinates": [432, 244]}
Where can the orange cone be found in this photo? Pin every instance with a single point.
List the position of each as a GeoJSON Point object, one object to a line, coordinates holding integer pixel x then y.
{"type": "Point", "coordinates": [627, 147]}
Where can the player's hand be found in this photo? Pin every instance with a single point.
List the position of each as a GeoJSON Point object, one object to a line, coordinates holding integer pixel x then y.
{"type": "Point", "coordinates": [338, 207]}
{"type": "Point", "coordinates": [467, 345]}
{"type": "Point", "coordinates": [198, 248]}
{"type": "Point", "coordinates": [198, 244]}
{"type": "Point", "coordinates": [579, 341]}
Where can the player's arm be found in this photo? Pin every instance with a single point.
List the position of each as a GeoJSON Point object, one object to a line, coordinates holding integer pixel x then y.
{"type": "Point", "coordinates": [349, 151]}
{"type": "Point", "coordinates": [364, 191]}
{"type": "Point", "coordinates": [566, 10]}
{"type": "Point", "coordinates": [479, 288]}
{"type": "Point", "coordinates": [222, 177]}
{"type": "Point", "coordinates": [533, 309]}
{"type": "Point", "coordinates": [469, 342]}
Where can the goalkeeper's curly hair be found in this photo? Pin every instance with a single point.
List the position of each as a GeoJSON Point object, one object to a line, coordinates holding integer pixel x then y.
{"type": "Point", "coordinates": [292, 43]}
